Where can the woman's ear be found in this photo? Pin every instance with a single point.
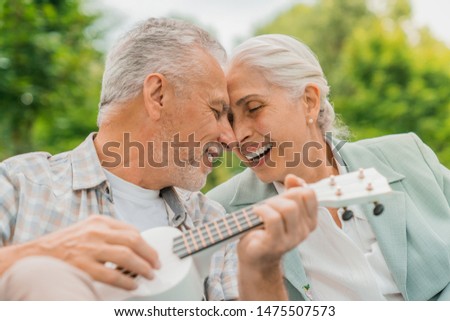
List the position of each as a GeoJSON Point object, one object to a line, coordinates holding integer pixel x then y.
{"type": "Point", "coordinates": [154, 91]}
{"type": "Point", "coordinates": [312, 99]}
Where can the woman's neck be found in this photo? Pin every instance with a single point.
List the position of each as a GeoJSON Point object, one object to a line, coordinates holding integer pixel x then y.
{"type": "Point", "coordinates": [323, 166]}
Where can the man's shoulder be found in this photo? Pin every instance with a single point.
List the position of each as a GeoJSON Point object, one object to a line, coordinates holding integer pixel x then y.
{"type": "Point", "coordinates": [200, 207]}
{"type": "Point", "coordinates": [37, 167]}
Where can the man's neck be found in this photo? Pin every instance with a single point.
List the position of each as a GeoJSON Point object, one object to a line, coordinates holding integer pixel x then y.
{"type": "Point", "coordinates": [126, 156]}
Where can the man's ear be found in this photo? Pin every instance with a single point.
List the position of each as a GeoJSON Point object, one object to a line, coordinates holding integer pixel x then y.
{"type": "Point", "coordinates": [312, 99]}
{"type": "Point", "coordinates": [154, 91]}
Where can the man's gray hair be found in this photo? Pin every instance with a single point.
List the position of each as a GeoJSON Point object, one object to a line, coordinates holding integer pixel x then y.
{"type": "Point", "coordinates": [158, 45]}
{"type": "Point", "coordinates": [290, 64]}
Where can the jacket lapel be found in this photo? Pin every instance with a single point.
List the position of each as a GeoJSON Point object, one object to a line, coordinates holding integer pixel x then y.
{"type": "Point", "coordinates": [390, 230]}
{"type": "Point", "coordinates": [251, 190]}
{"type": "Point", "coordinates": [295, 274]}
{"type": "Point", "coordinates": [390, 226]}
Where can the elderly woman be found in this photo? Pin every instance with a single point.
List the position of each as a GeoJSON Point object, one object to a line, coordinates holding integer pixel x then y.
{"type": "Point", "coordinates": [283, 122]}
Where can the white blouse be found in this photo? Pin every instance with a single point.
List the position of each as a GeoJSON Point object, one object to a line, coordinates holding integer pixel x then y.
{"type": "Point", "coordinates": [347, 263]}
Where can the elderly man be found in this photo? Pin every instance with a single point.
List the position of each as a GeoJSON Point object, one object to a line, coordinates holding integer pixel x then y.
{"type": "Point", "coordinates": [163, 113]}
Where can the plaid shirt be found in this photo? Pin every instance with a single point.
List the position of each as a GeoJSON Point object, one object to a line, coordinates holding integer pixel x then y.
{"type": "Point", "coordinates": [41, 193]}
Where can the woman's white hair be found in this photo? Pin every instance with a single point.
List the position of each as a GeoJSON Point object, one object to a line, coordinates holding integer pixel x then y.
{"type": "Point", "coordinates": [290, 64]}
{"type": "Point", "coordinates": [157, 45]}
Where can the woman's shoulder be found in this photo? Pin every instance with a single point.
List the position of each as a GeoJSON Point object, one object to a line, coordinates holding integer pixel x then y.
{"type": "Point", "coordinates": [408, 139]}
{"type": "Point", "coordinates": [401, 149]}
{"type": "Point", "coordinates": [241, 190]}
{"type": "Point", "coordinates": [225, 191]}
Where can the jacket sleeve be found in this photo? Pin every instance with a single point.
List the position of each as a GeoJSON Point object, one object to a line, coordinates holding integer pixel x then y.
{"type": "Point", "coordinates": [441, 173]}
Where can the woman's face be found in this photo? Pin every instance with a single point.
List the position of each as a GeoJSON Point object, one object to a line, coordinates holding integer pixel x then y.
{"type": "Point", "coordinates": [271, 127]}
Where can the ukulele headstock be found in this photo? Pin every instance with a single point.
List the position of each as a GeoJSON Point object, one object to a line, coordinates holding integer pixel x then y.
{"type": "Point", "coordinates": [362, 186]}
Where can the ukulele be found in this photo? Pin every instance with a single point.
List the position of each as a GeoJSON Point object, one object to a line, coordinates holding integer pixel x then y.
{"type": "Point", "coordinates": [185, 256]}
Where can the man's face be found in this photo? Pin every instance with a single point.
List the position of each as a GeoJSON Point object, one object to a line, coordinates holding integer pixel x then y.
{"type": "Point", "coordinates": [199, 126]}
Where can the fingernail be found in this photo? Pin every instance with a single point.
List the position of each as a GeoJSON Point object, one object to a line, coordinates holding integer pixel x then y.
{"type": "Point", "coordinates": [134, 286]}
{"type": "Point", "coordinates": [150, 275]}
{"type": "Point", "coordinates": [158, 264]}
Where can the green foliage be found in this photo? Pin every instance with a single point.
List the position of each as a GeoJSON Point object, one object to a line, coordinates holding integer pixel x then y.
{"type": "Point", "coordinates": [390, 85]}
{"type": "Point", "coordinates": [324, 26]}
{"type": "Point", "coordinates": [224, 167]}
{"type": "Point", "coordinates": [386, 75]}
{"type": "Point", "coordinates": [50, 75]}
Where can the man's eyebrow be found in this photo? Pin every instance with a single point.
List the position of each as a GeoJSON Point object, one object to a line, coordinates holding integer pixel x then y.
{"type": "Point", "coordinates": [220, 102]}
{"type": "Point", "coordinates": [245, 98]}
{"type": "Point", "coordinates": [226, 108]}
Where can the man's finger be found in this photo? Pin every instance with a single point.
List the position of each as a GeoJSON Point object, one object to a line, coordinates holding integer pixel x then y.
{"type": "Point", "coordinates": [101, 273]}
{"type": "Point", "coordinates": [134, 241]}
{"type": "Point", "coordinates": [125, 259]}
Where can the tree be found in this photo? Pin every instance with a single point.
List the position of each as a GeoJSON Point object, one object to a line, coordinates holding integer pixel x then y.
{"type": "Point", "coordinates": [324, 26]}
{"type": "Point", "coordinates": [386, 75]}
{"type": "Point", "coordinates": [50, 75]}
{"type": "Point", "coordinates": [390, 85]}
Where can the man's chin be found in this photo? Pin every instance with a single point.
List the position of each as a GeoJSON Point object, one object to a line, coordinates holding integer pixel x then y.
{"type": "Point", "coordinates": [195, 184]}
{"type": "Point", "coordinates": [191, 188]}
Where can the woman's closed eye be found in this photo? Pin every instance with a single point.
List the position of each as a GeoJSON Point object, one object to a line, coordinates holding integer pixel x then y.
{"type": "Point", "coordinates": [254, 106]}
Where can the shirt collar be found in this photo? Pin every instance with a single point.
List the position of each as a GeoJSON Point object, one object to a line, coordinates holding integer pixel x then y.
{"type": "Point", "coordinates": [341, 166]}
{"type": "Point", "coordinates": [343, 169]}
{"type": "Point", "coordinates": [87, 172]}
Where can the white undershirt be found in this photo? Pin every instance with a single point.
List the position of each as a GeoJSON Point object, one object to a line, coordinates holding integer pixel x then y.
{"type": "Point", "coordinates": [347, 263]}
{"type": "Point", "coordinates": [138, 206]}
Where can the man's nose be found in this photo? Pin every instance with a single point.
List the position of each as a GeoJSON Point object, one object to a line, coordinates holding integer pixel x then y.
{"type": "Point", "coordinates": [227, 137]}
{"type": "Point", "coordinates": [242, 130]}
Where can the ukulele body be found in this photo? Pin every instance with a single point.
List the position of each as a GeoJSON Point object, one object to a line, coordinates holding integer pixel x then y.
{"type": "Point", "coordinates": [176, 280]}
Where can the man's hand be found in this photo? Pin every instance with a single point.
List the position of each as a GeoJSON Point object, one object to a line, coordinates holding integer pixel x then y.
{"type": "Point", "coordinates": [88, 244]}
{"type": "Point", "coordinates": [288, 220]}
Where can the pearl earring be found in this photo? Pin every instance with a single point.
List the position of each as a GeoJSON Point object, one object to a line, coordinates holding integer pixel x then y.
{"type": "Point", "coordinates": [310, 121]}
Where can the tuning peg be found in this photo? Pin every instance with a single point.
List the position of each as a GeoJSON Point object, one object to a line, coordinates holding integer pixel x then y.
{"type": "Point", "coordinates": [332, 181]}
{"type": "Point", "coordinates": [361, 173]}
{"type": "Point", "coordinates": [378, 209]}
{"type": "Point", "coordinates": [348, 214]}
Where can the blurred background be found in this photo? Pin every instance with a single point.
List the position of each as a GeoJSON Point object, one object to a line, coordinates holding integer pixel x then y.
{"type": "Point", "coordinates": [387, 62]}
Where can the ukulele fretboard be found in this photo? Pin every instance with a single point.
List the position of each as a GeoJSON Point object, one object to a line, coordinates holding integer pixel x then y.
{"type": "Point", "coordinates": [214, 232]}
{"type": "Point", "coordinates": [364, 185]}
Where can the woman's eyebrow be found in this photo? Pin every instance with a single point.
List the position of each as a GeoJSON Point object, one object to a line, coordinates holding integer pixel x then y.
{"type": "Point", "coordinates": [245, 98]}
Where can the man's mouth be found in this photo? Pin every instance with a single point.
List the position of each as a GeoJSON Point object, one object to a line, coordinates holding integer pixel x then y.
{"type": "Point", "coordinates": [211, 153]}
{"type": "Point", "coordinates": [259, 153]}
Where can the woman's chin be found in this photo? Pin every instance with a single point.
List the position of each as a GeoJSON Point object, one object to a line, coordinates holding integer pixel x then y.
{"type": "Point", "coordinates": [266, 177]}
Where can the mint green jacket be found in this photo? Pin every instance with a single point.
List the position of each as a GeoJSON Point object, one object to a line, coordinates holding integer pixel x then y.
{"type": "Point", "coordinates": [414, 230]}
